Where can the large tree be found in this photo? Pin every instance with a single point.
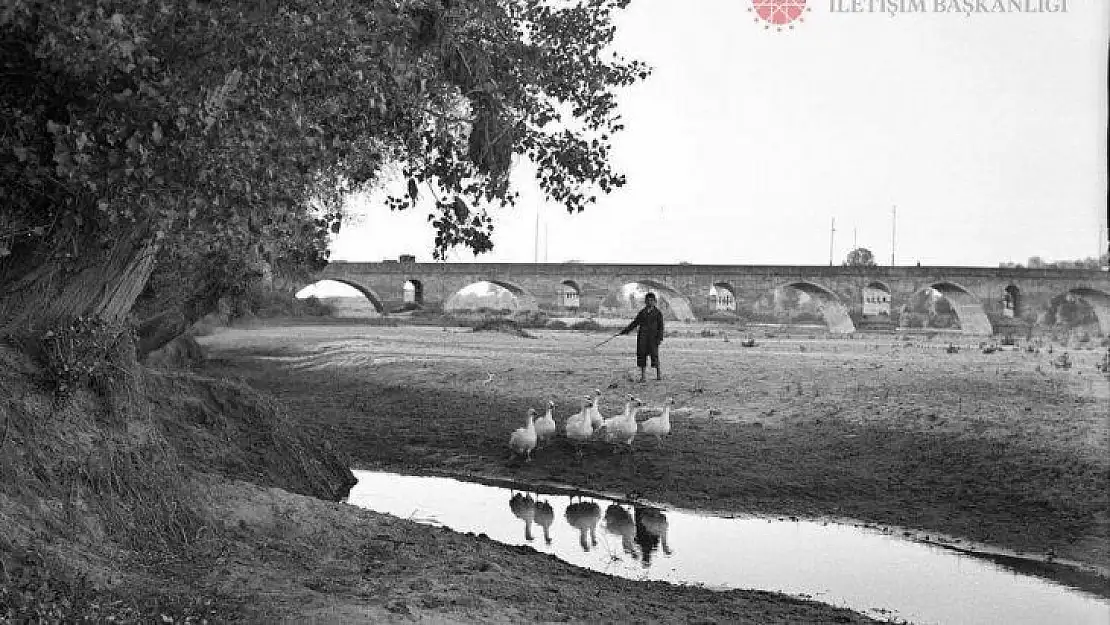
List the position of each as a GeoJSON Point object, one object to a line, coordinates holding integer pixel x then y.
{"type": "Point", "coordinates": [860, 257]}
{"type": "Point", "coordinates": [154, 153]}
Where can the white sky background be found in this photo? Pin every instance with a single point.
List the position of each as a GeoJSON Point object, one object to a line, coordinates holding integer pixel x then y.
{"type": "Point", "coordinates": [988, 132]}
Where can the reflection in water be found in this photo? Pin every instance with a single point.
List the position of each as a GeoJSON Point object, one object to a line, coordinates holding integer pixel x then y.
{"type": "Point", "coordinates": [545, 516]}
{"type": "Point", "coordinates": [584, 516]}
{"type": "Point", "coordinates": [524, 507]}
{"type": "Point", "coordinates": [651, 532]}
{"type": "Point", "coordinates": [619, 523]}
{"type": "Point", "coordinates": [869, 571]}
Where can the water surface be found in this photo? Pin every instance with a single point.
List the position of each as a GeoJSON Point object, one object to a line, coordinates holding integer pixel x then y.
{"type": "Point", "coordinates": [872, 572]}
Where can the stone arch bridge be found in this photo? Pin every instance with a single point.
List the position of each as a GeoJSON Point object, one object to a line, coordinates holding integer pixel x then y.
{"type": "Point", "coordinates": [984, 299]}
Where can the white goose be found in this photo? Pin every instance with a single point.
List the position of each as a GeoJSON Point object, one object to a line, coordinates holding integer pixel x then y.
{"type": "Point", "coordinates": [523, 440]}
{"type": "Point", "coordinates": [605, 423]}
{"type": "Point", "coordinates": [545, 425]}
{"type": "Point", "coordinates": [579, 427]}
{"type": "Point", "coordinates": [595, 411]}
{"type": "Point", "coordinates": [624, 430]}
{"type": "Point", "coordinates": [659, 426]}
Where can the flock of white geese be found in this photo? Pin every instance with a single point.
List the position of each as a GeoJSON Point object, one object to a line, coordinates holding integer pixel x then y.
{"type": "Point", "coordinates": [589, 424]}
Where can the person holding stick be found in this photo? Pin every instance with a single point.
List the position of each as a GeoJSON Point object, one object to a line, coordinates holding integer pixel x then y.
{"type": "Point", "coordinates": [650, 335]}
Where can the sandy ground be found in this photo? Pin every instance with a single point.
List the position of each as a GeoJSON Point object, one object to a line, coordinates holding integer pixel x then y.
{"type": "Point", "coordinates": [1001, 449]}
{"type": "Point", "coordinates": [296, 559]}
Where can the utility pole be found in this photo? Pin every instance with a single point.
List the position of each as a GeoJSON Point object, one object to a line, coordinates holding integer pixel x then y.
{"type": "Point", "coordinates": [855, 241]}
{"type": "Point", "coordinates": [893, 230]}
{"type": "Point", "coordinates": [832, 236]}
{"type": "Point", "coordinates": [1103, 239]}
{"type": "Point", "coordinates": [536, 248]}
{"type": "Point", "coordinates": [546, 241]}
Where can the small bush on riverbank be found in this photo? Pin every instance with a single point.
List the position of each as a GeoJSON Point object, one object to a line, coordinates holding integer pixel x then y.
{"type": "Point", "coordinates": [508, 326]}
{"type": "Point", "coordinates": [270, 303]}
{"type": "Point", "coordinates": [586, 325]}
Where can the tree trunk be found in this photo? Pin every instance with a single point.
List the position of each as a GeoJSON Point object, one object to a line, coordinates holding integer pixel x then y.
{"type": "Point", "coordinates": [173, 318]}
{"type": "Point", "coordinates": [179, 297]}
{"type": "Point", "coordinates": [159, 330]}
{"type": "Point", "coordinates": [106, 289]}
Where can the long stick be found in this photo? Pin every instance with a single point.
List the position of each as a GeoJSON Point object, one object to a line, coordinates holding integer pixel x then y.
{"type": "Point", "coordinates": [606, 341]}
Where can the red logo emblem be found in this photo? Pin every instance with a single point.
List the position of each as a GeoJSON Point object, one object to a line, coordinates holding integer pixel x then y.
{"type": "Point", "coordinates": [779, 13]}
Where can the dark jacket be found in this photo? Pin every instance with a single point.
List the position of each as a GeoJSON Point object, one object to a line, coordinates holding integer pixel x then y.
{"type": "Point", "coordinates": [650, 322]}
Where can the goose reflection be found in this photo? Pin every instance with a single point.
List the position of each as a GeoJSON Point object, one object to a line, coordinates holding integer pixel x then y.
{"type": "Point", "coordinates": [545, 516]}
{"type": "Point", "coordinates": [651, 532]}
{"type": "Point", "coordinates": [584, 517]}
{"type": "Point", "coordinates": [524, 508]}
{"type": "Point", "coordinates": [620, 523]}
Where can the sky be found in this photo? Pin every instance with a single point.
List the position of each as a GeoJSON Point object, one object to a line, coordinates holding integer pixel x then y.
{"type": "Point", "coordinates": [984, 133]}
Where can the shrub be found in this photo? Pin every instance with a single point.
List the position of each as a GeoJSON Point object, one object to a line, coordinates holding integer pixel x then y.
{"type": "Point", "coordinates": [586, 325]}
{"type": "Point", "coordinates": [269, 303]}
{"type": "Point", "coordinates": [720, 317]}
{"type": "Point", "coordinates": [81, 351]}
{"type": "Point", "coordinates": [507, 326]}
{"type": "Point", "coordinates": [557, 324]}
{"type": "Point", "coordinates": [761, 317]}
{"type": "Point", "coordinates": [943, 321]}
{"type": "Point", "coordinates": [807, 318]}
{"type": "Point", "coordinates": [531, 319]}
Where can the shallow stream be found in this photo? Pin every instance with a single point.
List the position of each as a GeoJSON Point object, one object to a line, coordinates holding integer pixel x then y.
{"type": "Point", "coordinates": [870, 571]}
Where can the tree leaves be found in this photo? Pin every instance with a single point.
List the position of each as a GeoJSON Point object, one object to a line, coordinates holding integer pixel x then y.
{"type": "Point", "coordinates": [229, 126]}
{"type": "Point", "coordinates": [860, 257]}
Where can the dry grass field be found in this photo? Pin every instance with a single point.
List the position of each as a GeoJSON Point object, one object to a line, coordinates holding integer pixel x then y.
{"type": "Point", "coordinates": [996, 448]}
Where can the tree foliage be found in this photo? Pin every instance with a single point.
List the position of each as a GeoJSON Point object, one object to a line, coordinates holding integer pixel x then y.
{"type": "Point", "coordinates": [170, 147]}
{"type": "Point", "coordinates": [860, 257]}
{"type": "Point", "coordinates": [1036, 262]}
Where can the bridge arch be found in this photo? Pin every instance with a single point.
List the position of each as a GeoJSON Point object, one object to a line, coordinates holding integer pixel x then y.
{"type": "Point", "coordinates": [969, 310]}
{"type": "Point", "coordinates": [413, 292]}
{"type": "Point", "coordinates": [521, 299]}
{"type": "Point", "coordinates": [832, 310]}
{"type": "Point", "coordinates": [620, 301]}
{"type": "Point", "coordinates": [722, 298]}
{"type": "Point", "coordinates": [876, 299]}
{"type": "Point", "coordinates": [366, 292]}
{"type": "Point", "coordinates": [570, 294]}
{"type": "Point", "coordinates": [1011, 302]}
{"type": "Point", "coordinates": [1099, 301]}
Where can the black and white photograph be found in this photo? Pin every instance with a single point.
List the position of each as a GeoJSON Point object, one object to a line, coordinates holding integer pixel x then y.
{"type": "Point", "coordinates": [514, 311]}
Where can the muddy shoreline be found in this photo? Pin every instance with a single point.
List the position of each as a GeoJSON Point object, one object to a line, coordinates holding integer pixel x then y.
{"type": "Point", "coordinates": [994, 453]}
{"type": "Point", "coordinates": [1089, 577]}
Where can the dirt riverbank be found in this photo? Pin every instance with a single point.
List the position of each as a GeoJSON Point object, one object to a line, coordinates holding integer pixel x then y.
{"type": "Point", "coordinates": [998, 448]}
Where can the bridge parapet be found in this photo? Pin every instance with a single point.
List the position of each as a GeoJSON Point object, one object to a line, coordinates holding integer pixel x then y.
{"type": "Point", "coordinates": [978, 293]}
